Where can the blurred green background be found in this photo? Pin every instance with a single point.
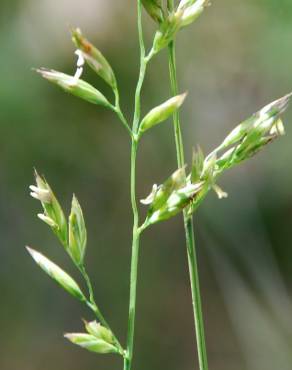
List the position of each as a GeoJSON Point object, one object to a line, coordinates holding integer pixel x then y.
{"type": "Point", "coordinates": [234, 60]}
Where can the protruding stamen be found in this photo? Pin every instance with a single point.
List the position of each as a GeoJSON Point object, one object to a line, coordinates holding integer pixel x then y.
{"type": "Point", "coordinates": [47, 220]}
{"type": "Point", "coordinates": [151, 196]}
{"type": "Point", "coordinates": [40, 194]}
{"type": "Point", "coordinates": [81, 60]}
{"type": "Point", "coordinates": [220, 193]}
{"type": "Point", "coordinates": [79, 70]}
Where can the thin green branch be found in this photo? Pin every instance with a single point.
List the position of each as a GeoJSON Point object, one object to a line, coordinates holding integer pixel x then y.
{"type": "Point", "coordinates": [123, 119]}
{"type": "Point", "coordinates": [188, 222]}
{"type": "Point", "coordinates": [136, 230]}
{"type": "Point", "coordinates": [134, 262]}
{"type": "Point", "coordinates": [143, 65]}
{"type": "Point", "coordinates": [196, 295]}
{"type": "Point", "coordinates": [117, 109]}
{"type": "Point", "coordinates": [91, 303]}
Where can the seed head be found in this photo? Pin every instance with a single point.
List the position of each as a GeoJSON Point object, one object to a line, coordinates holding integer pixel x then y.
{"type": "Point", "coordinates": [53, 214]}
{"type": "Point", "coordinates": [154, 9]}
{"type": "Point", "coordinates": [94, 58]}
{"type": "Point", "coordinates": [77, 233]}
{"type": "Point", "coordinates": [99, 331]}
{"type": "Point", "coordinates": [74, 85]}
{"type": "Point", "coordinates": [56, 273]}
{"type": "Point", "coordinates": [161, 112]}
{"type": "Point", "coordinates": [191, 10]}
{"type": "Point", "coordinates": [91, 343]}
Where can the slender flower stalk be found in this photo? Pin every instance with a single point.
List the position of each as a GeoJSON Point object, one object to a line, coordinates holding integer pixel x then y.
{"type": "Point", "coordinates": [189, 231]}
{"type": "Point", "coordinates": [136, 231]}
{"type": "Point", "coordinates": [188, 219]}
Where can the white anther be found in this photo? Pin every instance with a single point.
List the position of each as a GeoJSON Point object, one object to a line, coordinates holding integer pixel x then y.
{"type": "Point", "coordinates": [81, 60]}
{"type": "Point", "coordinates": [47, 220]}
{"type": "Point", "coordinates": [40, 194]}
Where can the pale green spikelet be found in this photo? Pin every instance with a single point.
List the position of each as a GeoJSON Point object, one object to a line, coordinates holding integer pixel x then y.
{"type": "Point", "coordinates": [53, 212]}
{"type": "Point", "coordinates": [75, 86]}
{"type": "Point", "coordinates": [56, 273]}
{"type": "Point", "coordinates": [77, 233]}
{"type": "Point", "coordinates": [94, 58]}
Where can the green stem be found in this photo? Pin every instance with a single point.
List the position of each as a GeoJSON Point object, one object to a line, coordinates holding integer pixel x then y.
{"type": "Point", "coordinates": [136, 230]}
{"type": "Point", "coordinates": [196, 295]}
{"type": "Point", "coordinates": [134, 263]}
{"type": "Point", "coordinates": [117, 109]}
{"type": "Point", "coordinates": [91, 303]}
{"type": "Point", "coordinates": [122, 118]}
{"type": "Point", "coordinates": [188, 223]}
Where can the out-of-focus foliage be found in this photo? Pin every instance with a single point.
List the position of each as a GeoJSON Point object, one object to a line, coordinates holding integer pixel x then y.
{"type": "Point", "coordinates": [233, 61]}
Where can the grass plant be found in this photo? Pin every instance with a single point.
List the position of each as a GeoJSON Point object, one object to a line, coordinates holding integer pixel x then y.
{"type": "Point", "coordinates": [182, 192]}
